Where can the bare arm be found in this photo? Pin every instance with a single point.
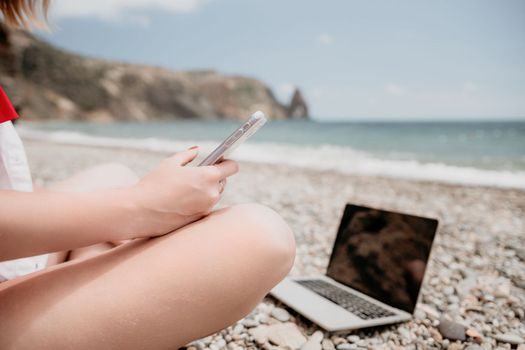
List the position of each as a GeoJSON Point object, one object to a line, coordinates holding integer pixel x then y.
{"type": "Point", "coordinates": [43, 222]}
{"type": "Point", "coordinates": [170, 196]}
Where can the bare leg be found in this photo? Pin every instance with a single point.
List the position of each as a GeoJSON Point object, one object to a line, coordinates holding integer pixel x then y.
{"type": "Point", "coordinates": [98, 177]}
{"type": "Point", "coordinates": [154, 293]}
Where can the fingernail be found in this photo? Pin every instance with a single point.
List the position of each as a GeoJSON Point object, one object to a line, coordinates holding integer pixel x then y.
{"type": "Point", "coordinates": [193, 147]}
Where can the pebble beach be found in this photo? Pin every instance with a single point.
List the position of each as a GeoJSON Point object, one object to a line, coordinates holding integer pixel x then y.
{"type": "Point", "coordinates": [473, 296]}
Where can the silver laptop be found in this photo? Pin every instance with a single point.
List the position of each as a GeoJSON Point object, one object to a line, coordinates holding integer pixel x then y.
{"type": "Point", "coordinates": [375, 272]}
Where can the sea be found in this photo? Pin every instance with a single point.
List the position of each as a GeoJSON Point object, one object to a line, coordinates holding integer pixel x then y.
{"type": "Point", "coordinates": [474, 153]}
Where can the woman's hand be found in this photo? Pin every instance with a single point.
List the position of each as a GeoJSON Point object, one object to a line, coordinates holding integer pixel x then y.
{"type": "Point", "coordinates": [173, 195]}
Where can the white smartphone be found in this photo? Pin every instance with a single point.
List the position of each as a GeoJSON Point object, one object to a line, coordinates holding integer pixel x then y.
{"type": "Point", "coordinates": [247, 129]}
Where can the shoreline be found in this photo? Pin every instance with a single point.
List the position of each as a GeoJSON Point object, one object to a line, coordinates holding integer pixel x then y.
{"type": "Point", "coordinates": [208, 146]}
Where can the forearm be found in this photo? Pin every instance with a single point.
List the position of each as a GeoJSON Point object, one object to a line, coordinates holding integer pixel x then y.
{"type": "Point", "coordinates": [42, 222]}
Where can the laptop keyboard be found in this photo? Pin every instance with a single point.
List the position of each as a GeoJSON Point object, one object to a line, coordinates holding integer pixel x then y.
{"type": "Point", "coordinates": [347, 300]}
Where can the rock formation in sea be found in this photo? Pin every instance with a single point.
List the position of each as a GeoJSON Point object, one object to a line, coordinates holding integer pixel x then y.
{"type": "Point", "coordinates": [298, 108]}
{"type": "Point", "coordinates": [46, 82]}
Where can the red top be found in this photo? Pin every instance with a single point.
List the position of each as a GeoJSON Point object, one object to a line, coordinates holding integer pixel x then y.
{"type": "Point", "coordinates": [7, 111]}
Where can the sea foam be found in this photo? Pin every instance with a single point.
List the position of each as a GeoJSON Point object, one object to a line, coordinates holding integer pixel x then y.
{"type": "Point", "coordinates": [323, 157]}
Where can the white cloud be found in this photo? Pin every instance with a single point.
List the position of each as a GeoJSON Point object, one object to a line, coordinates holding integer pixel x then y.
{"type": "Point", "coordinates": [395, 89]}
{"type": "Point", "coordinates": [325, 39]}
{"type": "Point", "coordinates": [116, 10]}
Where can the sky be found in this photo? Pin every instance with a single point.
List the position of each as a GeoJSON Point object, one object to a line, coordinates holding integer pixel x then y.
{"type": "Point", "coordinates": [353, 60]}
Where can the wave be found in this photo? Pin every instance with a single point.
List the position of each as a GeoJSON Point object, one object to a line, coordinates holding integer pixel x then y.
{"type": "Point", "coordinates": [324, 157]}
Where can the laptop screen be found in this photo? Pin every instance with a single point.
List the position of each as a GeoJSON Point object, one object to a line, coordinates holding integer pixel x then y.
{"type": "Point", "coordinates": [382, 254]}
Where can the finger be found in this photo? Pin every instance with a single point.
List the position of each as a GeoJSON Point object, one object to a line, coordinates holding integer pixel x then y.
{"type": "Point", "coordinates": [184, 157]}
{"type": "Point", "coordinates": [227, 168]}
{"type": "Point", "coordinates": [222, 185]}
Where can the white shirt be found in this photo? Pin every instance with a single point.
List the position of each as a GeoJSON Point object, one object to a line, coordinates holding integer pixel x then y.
{"type": "Point", "coordinates": [15, 175]}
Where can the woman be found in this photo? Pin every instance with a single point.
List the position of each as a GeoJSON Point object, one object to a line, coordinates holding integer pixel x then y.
{"type": "Point", "coordinates": [149, 265]}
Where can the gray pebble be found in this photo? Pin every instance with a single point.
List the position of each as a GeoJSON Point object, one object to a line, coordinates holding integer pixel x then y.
{"type": "Point", "coordinates": [280, 314]}
{"type": "Point", "coordinates": [353, 338]}
{"type": "Point", "coordinates": [327, 344]}
{"type": "Point", "coordinates": [346, 346]}
{"type": "Point", "coordinates": [221, 343]}
{"type": "Point", "coordinates": [451, 330]}
{"type": "Point", "coordinates": [317, 336]}
{"type": "Point", "coordinates": [249, 323]}
{"type": "Point", "coordinates": [473, 347]}
{"type": "Point", "coordinates": [281, 334]}
{"type": "Point", "coordinates": [448, 290]}
{"type": "Point", "coordinates": [311, 345]}
{"type": "Point", "coordinates": [238, 328]}
{"type": "Point", "coordinates": [420, 315]}
{"type": "Point", "coordinates": [404, 333]}
{"type": "Point", "coordinates": [338, 340]}
{"type": "Point", "coordinates": [262, 318]}
{"type": "Point", "coordinates": [509, 338]}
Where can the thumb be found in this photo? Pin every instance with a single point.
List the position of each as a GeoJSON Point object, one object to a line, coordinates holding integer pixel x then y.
{"type": "Point", "coordinates": [184, 157]}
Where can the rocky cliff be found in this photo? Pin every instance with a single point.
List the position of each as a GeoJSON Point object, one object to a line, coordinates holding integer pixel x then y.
{"type": "Point", "coordinates": [45, 82]}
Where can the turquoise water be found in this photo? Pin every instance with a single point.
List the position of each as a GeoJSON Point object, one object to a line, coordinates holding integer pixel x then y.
{"type": "Point", "coordinates": [481, 145]}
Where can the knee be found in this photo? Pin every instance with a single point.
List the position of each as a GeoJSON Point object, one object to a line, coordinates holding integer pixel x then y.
{"type": "Point", "coordinates": [267, 237]}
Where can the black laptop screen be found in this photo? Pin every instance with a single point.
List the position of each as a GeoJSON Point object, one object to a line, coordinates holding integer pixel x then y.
{"type": "Point", "coordinates": [382, 254]}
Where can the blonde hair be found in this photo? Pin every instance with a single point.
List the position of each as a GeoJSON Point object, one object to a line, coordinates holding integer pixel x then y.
{"type": "Point", "coordinates": [21, 13]}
